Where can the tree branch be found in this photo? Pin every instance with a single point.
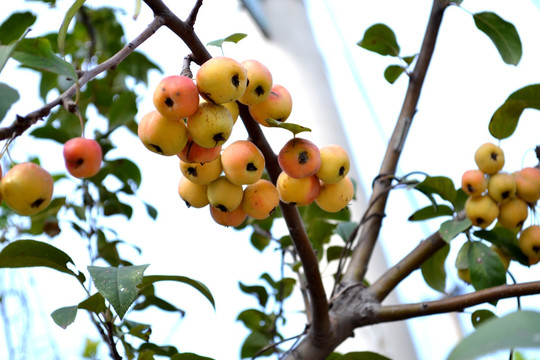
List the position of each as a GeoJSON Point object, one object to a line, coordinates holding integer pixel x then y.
{"type": "Point", "coordinates": [370, 231]}
{"type": "Point", "coordinates": [454, 303]}
{"type": "Point", "coordinates": [21, 124]}
{"type": "Point", "coordinates": [393, 276]}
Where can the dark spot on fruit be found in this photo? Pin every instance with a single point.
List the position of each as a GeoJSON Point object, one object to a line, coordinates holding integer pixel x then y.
{"type": "Point", "coordinates": [470, 188]}
{"type": "Point", "coordinates": [259, 90]}
{"type": "Point", "coordinates": [251, 167]}
{"type": "Point", "coordinates": [505, 194]}
{"type": "Point", "coordinates": [536, 249]}
{"type": "Point", "coordinates": [222, 208]}
{"type": "Point", "coordinates": [480, 221]}
{"type": "Point", "coordinates": [156, 148]}
{"type": "Point", "coordinates": [303, 157]}
{"type": "Point", "coordinates": [520, 224]}
{"type": "Point", "coordinates": [192, 171]}
{"type": "Point", "coordinates": [274, 93]}
{"type": "Point", "coordinates": [247, 82]}
{"type": "Point", "coordinates": [494, 156]}
{"type": "Point", "coordinates": [341, 171]}
{"type": "Point", "coordinates": [292, 203]}
{"type": "Point", "coordinates": [189, 146]}
{"type": "Point", "coordinates": [219, 138]}
{"type": "Point", "coordinates": [37, 203]}
{"type": "Point", "coordinates": [187, 204]}
{"type": "Point", "coordinates": [235, 80]}
{"type": "Point", "coordinates": [169, 102]}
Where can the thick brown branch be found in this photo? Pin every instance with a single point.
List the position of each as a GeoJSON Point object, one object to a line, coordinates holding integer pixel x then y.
{"type": "Point", "coordinates": [454, 303]}
{"type": "Point", "coordinates": [21, 124]}
{"type": "Point", "coordinates": [393, 276]}
{"type": "Point", "coordinates": [190, 21]}
{"type": "Point", "coordinates": [370, 231]}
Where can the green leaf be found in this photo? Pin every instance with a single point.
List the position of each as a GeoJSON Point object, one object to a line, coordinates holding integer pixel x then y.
{"type": "Point", "coordinates": [480, 316]}
{"type": "Point", "coordinates": [440, 185]}
{"type": "Point", "coordinates": [123, 110]}
{"type": "Point", "coordinates": [515, 330]}
{"type": "Point", "coordinates": [433, 269]}
{"type": "Point", "coordinates": [138, 66]}
{"type": "Point", "coordinates": [345, 228]}
{"type": "Point", "coordinates": [430, 212]}
{"type": "Point", "coordinates": [452, 228]}
{"type": "Point", "coordinates": [504, 121]}
{"type": "Point", "coordinates": [168, 351]}
{"type": "Point", "coordinates": [95, 304]}
{"type": "Point", "coordinates": [31, 253]}
{"type": "Point", "coordinates": [381, 39]}
{"type": "Point", "coordinates": [118, 285]}
{"type": "Point", "coordinates": [65, 24]}
{"type": "Point", "coordinates": [189, 356]}
{"type": "Point", "coordinates": [257, 290]}
{"type": "Point", "coordinates": [253, 319]}
{"type": "Point", "coordinates": [503, 34]}
{"type": "Point", "coordinates": [462, 258]}
{"type": "Point", "coordinates": [506, 240]}
{"type": "Point", "coordinates": [199, 286]}
{"type": "Point", "coordinates": [363, 355]}
{"type": "Point", "coordinates": [8, 96]}
{"type": "Point", "coordinates": [37, 53]}
{"type": "Point", "coordinates": [64, 316]}
{"type": "Point", "coordinates": [124, 170]}
{"type": "Point", "coordinates": [151, 211]}
{"type": "Point", "coordinates": [234, 38]}
{"type": "Point", "coordinates": [393, 72]}
{"type": "Point", "coordinates": [294, 128]}
{"type": "Point", "coordinates": [334, 252]}
{"type": "Point", "coordinates": [254, 343]}
{"type": "Point", "coordinates": [485, 266]}
{"type": "Point", "coordinates": [16, 26]}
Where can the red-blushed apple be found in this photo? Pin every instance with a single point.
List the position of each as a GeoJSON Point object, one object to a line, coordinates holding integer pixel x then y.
{"type": "Point", "coordinates": [242, 162]}
{"type": "Point", "coordinates": [260, 199]}
{"type": "Point", "coordinates": [82, 157]}
{"type": "Point", "coordinates": [27, 188]}
{"type": "Point", "coordinates": [299, 158]}
{"type": "Point", "coordinates": [277, 106]}
{"type": "Point", "coordinates": [176, 97]}
{"type": "Point", "coordinates": [202, 173]}
{"type": "Point", "coordinates": [224, 195]}
{"type": "Point", "coordinates": [528, 184]}
{"type": "Point", "coordinates": [259, 82]}
{"type": "Point", "coordinates": [195, 153]}
{"type": "Point", "coordinates": [221, 79]}
{"type": "Point", "coordinates": [231, 218]}
{"type": "Point", "coordinates": [474, 182]}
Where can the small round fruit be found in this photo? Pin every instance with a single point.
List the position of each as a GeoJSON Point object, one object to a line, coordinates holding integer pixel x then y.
{"type": "Point", "coordinates": [242, 162]}
{"type": "Point", "coordinates": [201, 173]}
{"type": "Point", "coordinates": [194, 195]}
{"type": "Point", "coordinates": [528, 184]}
{"type": "Point", "coordinates": [335, 197]}
{"type": "Point", "coordinates": [232, 218]}
{"type": "Point", "coordinates": [501, 186]}
{"type": "Point", "coordinates": [211, 125]}
{"type": "Point", "coordinates": [221, 79]}
{"type": "Point", "coordinates": [481, 210]}
{"type": "Point", "coordinates": [224, 195]}
{"type": "Point", "coordinates": [234, 110]}
{"type": "Point", "coordinates": [27, 188]}
{"type": "Point", "coordinates": [195, 153]}
{"type": "Point", "coordinates": [335, 164]}
{"type": "Point", "coordinates": [277, 106]}
{"type": "Point", "coordinates": [299, 158]}
{"type": "Point", "coordinates": [176, 97]}
{"type": "Point", "coordinates": [259, 82]}
{"type": "Point", "coordinates": [162, 135]}
{"type": "Point", "coordinates": [474, 182]}
{"type": "Point", "coordinates": [489, 158]}
{"type": "Point", "coordinates": [82, 157]}
{"type": "Point", "coordinates": [260, 199]}
{"type": "Point", "coordinates": [529, 241]}
{"type": "Point", "coordinates": [299, 192]}
{"type": "Point", "coordinates": [513, 213]}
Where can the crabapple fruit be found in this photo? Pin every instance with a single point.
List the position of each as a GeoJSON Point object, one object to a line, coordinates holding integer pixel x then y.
{"type": "Point", "coordinates": [501, 186]}
{"type": "Point", "coordinates": [299, 192]}
{"type": "Point", "coordinates": [162, 135]}
{"type": "Point", "coordinates": [193, 194]}
{"type": "Point", "coordinates": [474, 182]}
{"type": "Point", "coordinates": [259, 82]}
{"type": "Point", "coordinates": [211, 125]}
{"type": "Point", "coordinates": [481, 210]}
{"type": "Point", "coordinates": [27, 188]}
{"type": "Point", "coordinates": [277, 106]}
{"type": "Point", "coordinates": [202, 173]}
{"type": "Point", "coordinates": [195, 153]}
{"type": "Point", "coordinates": [335, 197]}
{"type": "Point", "coordinates": [335, 164]}
{"type": "Point", "coordinates": [242, 162]}
{"type": "Point", "coordinates": [513, 213]}
{"type": "Point", "coordinates": [299, 158]}
{"type": "Point", "coordinates": [224, 195]}
{"type": "Point", "coordinates": [82, 157]}
{"type": "Point", "coordinates": [528, 184]}
{"type": "Point", "coordinates": [176, 97]}
{"type": "Point", "coordinates": [260, 199]}
{"type": "Point", "coordinates": [221, 79]}
{"type": "Point", "coordinates": [529, 241]}
{"type": "Point", "coordinates": [231, 218]}
{"type": "Point", "coordinates": [489, 158]}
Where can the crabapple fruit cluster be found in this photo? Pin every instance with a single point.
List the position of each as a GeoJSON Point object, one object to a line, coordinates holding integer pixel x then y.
{"type": "Point", "coordinates": [27, 188]}
{"type": "Point", "coordinates": [506, 197]}
{"type": "Point", "coordinates": [194, 118]}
